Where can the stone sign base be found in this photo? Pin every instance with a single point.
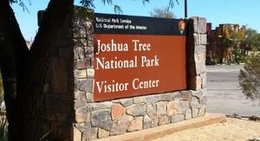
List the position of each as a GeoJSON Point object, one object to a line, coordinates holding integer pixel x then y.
{"type": "Point", "coordinates": [160, 131]}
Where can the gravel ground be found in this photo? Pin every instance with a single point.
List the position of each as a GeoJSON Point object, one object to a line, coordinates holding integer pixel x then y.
{"type": "Point", "coordinates": [233, 130]}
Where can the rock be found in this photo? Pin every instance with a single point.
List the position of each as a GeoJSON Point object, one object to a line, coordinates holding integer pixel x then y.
{"type": "Point", "coordinates": [76, 134]}
{"type": "Point", "coordinates": [171, 109]}
{"type": "Point", "coordinates": [136, 124]}
{"type": "Point", "coordinates": [161, 108]}
{"type": "Point", "coordinates": [89, 134]}
{"type": "Point", "coordinates": [101, 119]}
{"type": "Point", "coordinates": [81, 114]}
{"type": "Point", "coordinates": [188, 114]}
{"type": "Point", "coordinates": [102, 133]}
{"type": "Point", "coordinates": [137, 110]}
{"type": "Point", "coordinates": [177, 118]}
{"type": "Point", "coordinates": [85, 85]}
{"type": "Point", "coordinates": [151, 110]}
{"type": "Point", "coordinates": [147, 122]}
{"type": "Point", "coordinates": [117, 110]}
{"type": "Point", "coordinates": [235, 116]}
{"type": "Point", "coordinates": [254, 118]}
{"type": "Point", "coordinates": [127, 102]}
{"type": "Point", "coordinates": [101, 105]}
{"type": "Point", "coordinates": [121, 125]}
{"type": "Point", "coordinates": [154, 122]}
{"type": "Point", "coordinates": [164, 120]}
{"type": "Point", "coordinates": [139, 99]}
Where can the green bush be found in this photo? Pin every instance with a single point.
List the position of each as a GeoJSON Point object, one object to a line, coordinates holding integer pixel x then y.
{"type": "Point", "coordinates": [249, 77]}
{"type": "Point", "coordinates": [238, 56]}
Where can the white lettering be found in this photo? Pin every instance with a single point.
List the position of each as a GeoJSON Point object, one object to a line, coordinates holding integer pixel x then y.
{"type": "Point", "coordinates": [111, 47]}
{"type": "Point", "coordinates": [141, 46]}
{"type": "Point", "coordinates": [145, 84]}
{"type": "Point", "coordinates": [105, 87]}
{"type": "Point", "coordinates": [126, 21]}
{"type": "Point", "coordinates": [115, 63]}
{"type": "Point", "coordinates": [152, 62]}
{"type": "Point", "coordinates": [139, 27]}
{"type": "Point", "coordinates": [101, 19]}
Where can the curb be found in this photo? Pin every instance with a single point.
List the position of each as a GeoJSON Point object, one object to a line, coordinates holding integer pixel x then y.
{"type": "Point", "coordinates": [160, 131]}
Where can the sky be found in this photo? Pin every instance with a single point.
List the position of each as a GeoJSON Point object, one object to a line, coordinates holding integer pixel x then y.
{"type": "Point", "coordinates": [242, 12]}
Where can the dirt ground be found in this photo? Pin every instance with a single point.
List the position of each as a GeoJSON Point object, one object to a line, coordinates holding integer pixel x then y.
{"type": "Point", "coordinates": [232, 130]}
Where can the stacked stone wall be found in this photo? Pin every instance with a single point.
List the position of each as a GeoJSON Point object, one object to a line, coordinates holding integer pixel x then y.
{"type": "Point", "coordinates": [104, 119]}
{"type": "Point", "coordinates": [69, 109]}
{"type": "Point", "coordinates": [95, 120]}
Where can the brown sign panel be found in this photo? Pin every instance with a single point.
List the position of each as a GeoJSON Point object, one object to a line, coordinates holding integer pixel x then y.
{"type": "Point", "coordinates": [138, 61]}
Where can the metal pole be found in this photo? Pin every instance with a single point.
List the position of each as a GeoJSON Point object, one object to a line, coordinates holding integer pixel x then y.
{"type": "Point", "coordinates": [185, 9]}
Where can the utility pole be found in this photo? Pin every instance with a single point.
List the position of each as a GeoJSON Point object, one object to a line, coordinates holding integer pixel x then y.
{"type": "Point", "coordinates": [185, 9]}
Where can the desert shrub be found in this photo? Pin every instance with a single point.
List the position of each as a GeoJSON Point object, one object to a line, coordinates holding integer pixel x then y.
{"type": "Point", "coordinates": [249, 77]}
{"type": "Point", "coordinates": [238, 56]}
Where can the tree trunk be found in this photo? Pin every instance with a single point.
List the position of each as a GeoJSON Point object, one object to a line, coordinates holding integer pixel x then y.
{"type": "Point", "coordinates": [23, 71]}
{"type": "Point", "coordinates": [13, 50]}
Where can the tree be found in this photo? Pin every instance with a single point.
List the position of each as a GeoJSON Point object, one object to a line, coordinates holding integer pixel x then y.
{"type": "Point", "coordinates": [162, 13]}
{"type": "Point", "coordinates": [23, 70]}
{"type": "Point", "coordinates": [233, 38]}
{"type": "Point", "coordinates": [252, 40]}
{"type": "Point", "coordinates": [249, 78]}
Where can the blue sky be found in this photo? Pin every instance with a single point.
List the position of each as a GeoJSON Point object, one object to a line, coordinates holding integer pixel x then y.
{"type": "Point", "coordinates": [243, 12]}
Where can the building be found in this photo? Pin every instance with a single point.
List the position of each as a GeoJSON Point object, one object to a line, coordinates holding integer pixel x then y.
{"type": "Point", "coordinates": [223, 41]}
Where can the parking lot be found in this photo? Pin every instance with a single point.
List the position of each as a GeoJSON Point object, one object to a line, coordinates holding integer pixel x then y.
{"type": "Point", "coordinates": [224, 94]}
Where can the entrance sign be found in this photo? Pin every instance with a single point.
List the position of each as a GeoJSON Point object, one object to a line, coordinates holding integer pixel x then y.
{"type": "Point", "coordinates": [138, 56]}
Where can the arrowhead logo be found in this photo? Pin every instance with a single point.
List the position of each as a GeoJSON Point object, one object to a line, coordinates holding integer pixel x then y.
{"type": "Point", "coordinates": [181, 25]}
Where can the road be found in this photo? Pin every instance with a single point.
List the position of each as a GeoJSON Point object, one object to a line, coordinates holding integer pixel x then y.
{"type": "Point", "coordinates": [224, 94]}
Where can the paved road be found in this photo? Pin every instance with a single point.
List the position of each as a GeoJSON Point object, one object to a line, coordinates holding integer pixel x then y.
{"type": "Point", "coordinates": [224, 93]}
